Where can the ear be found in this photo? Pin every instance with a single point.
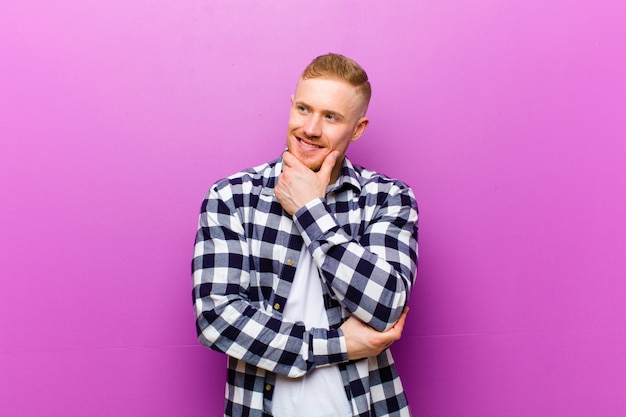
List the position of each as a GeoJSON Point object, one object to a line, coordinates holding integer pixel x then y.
{"type": "Point", "coordinates": [292, 100]}
{"type": "Point", "coordinates": [360, 128]}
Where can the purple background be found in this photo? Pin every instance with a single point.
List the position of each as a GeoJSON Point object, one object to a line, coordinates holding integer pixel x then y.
{"type": "Point", "coordinates": [506, 117]}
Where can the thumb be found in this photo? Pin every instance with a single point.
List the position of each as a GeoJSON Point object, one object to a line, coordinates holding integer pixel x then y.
{"type": "Point", "coordinates": [329, 163]}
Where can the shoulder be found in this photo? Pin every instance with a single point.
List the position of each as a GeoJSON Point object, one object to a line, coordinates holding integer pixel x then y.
{"type": "Point", "coordinates": [246, 181]}
{"type": "Point", "coordinates": [378, 183]}
{"type": "Point", "coordinates": [382, 191]}
{"type": "Point", "coordinates": [241, 189]}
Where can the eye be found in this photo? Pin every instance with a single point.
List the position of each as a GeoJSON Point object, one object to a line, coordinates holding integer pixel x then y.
{"type": "Point", "coordinates": [331, 117]}
{"type": "Point", "coordinates": [301, 108]}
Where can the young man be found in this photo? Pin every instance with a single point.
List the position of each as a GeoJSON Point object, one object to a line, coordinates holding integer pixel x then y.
{"type": "Point", "coordinates": [303, 266]}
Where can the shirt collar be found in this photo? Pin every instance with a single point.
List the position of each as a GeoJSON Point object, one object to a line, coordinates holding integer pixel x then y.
{"type": "Point", "coordinates": [348, 176]}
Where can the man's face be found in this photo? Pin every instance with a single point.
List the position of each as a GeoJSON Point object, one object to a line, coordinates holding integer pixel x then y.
{"type": "Point", "coordinates": [326, 115]}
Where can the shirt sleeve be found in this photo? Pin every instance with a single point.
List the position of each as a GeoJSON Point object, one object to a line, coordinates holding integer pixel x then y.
{"type": "Point", "coordinates": [372, 275]}
{"type": "Point", "coordinates": [228, 322]}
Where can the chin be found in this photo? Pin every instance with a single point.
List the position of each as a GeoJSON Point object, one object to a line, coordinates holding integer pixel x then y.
{"type": "Point", "coordinates": [312, 165]}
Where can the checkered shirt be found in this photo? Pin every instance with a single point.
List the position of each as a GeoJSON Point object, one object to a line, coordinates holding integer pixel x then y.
{"type": "Point", "coordinates": [363, 239]}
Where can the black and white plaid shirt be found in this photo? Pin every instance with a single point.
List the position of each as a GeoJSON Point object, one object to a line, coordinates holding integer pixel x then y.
{"type": "Point", "coordinates": [363, 239]}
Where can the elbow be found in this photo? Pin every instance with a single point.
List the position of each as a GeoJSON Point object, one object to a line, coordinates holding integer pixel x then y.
{"type": "Point", "coordinates": [388, 312]}
{"type": "Point", "coordinates": [207, 335]}
{"type": "Point", "coordinates": [383, 325]}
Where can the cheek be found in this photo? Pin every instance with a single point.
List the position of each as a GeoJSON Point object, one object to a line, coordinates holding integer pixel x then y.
{"type": "Point", "coordinates": [341, 140]}
{"type": "Point", "coordinates": [295, 120]}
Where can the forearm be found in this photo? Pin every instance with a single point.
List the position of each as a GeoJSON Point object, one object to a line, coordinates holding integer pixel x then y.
{"type": "Point", "coordinates": [371, 277]}
{"type": "Point", "coordinates": [247, 333]}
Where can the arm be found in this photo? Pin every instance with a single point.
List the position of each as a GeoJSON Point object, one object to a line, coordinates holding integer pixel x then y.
{"type": "Point", "coordinates": [364, 342]}
{"type": "Point", "coordinates": [372, 277]}
{"type": "Point", "coordinates": [228, 322]}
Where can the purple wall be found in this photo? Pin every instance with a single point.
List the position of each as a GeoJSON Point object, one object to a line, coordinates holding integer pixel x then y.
{"type": "Point", "coordinates": [506, 117]}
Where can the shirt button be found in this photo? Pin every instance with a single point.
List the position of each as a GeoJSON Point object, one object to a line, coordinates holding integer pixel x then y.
{"type": "Point", "coordinates": [276, 306]}
{"type": "Point", "coordinates": [290, 262]}
{"type": "Point", "coordinates": [268, 387]}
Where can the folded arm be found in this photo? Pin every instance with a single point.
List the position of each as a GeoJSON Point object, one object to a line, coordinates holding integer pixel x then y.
{"type": "Point", "coordinates": [228, 322]}
{"type": "Point", "coordinates": [372, 276]}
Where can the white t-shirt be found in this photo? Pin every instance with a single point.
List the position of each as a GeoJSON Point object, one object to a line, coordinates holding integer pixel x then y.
{"type": "Point", "coordinates": [320, 393]}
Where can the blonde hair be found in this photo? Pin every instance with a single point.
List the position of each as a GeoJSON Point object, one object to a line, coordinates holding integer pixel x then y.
{"type": "Point", "coordinates": [342, 68]}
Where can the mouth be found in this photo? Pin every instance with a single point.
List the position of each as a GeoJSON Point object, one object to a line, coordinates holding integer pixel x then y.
{"type": "Point", "coordinates": [307, 144]}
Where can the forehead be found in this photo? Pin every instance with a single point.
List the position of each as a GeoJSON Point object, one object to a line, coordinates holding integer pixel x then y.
{"type": "Point", "coordinates": [327, 94]}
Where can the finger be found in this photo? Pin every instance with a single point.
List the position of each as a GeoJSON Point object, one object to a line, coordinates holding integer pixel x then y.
{"type": "Point", "coordinates": [400, 323]}
{"type": "Point", "coordinates": [288, 158]}
{"type": "Point", "coordinates": [402, 318]}
{"type": "Point", "coordinates": [292, 161]}
{"type": "Point", "coordinates": [329, 163]}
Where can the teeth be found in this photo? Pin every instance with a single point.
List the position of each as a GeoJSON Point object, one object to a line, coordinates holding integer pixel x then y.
{"type": "Point", "coordinates": [309, 145]}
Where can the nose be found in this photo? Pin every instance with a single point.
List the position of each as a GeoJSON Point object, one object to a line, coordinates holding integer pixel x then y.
{"type": "Point", "coordinates": [313, 127]}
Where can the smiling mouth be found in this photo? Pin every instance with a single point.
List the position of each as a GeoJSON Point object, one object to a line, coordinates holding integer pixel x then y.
{"type": "Point", "coordinates": [307, 144]}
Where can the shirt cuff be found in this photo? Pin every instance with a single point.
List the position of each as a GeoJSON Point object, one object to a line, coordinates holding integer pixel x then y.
{"type": "Point", "coordinates": [328, 347]}
{"type": "Point", "coordinates": [314, 219]}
